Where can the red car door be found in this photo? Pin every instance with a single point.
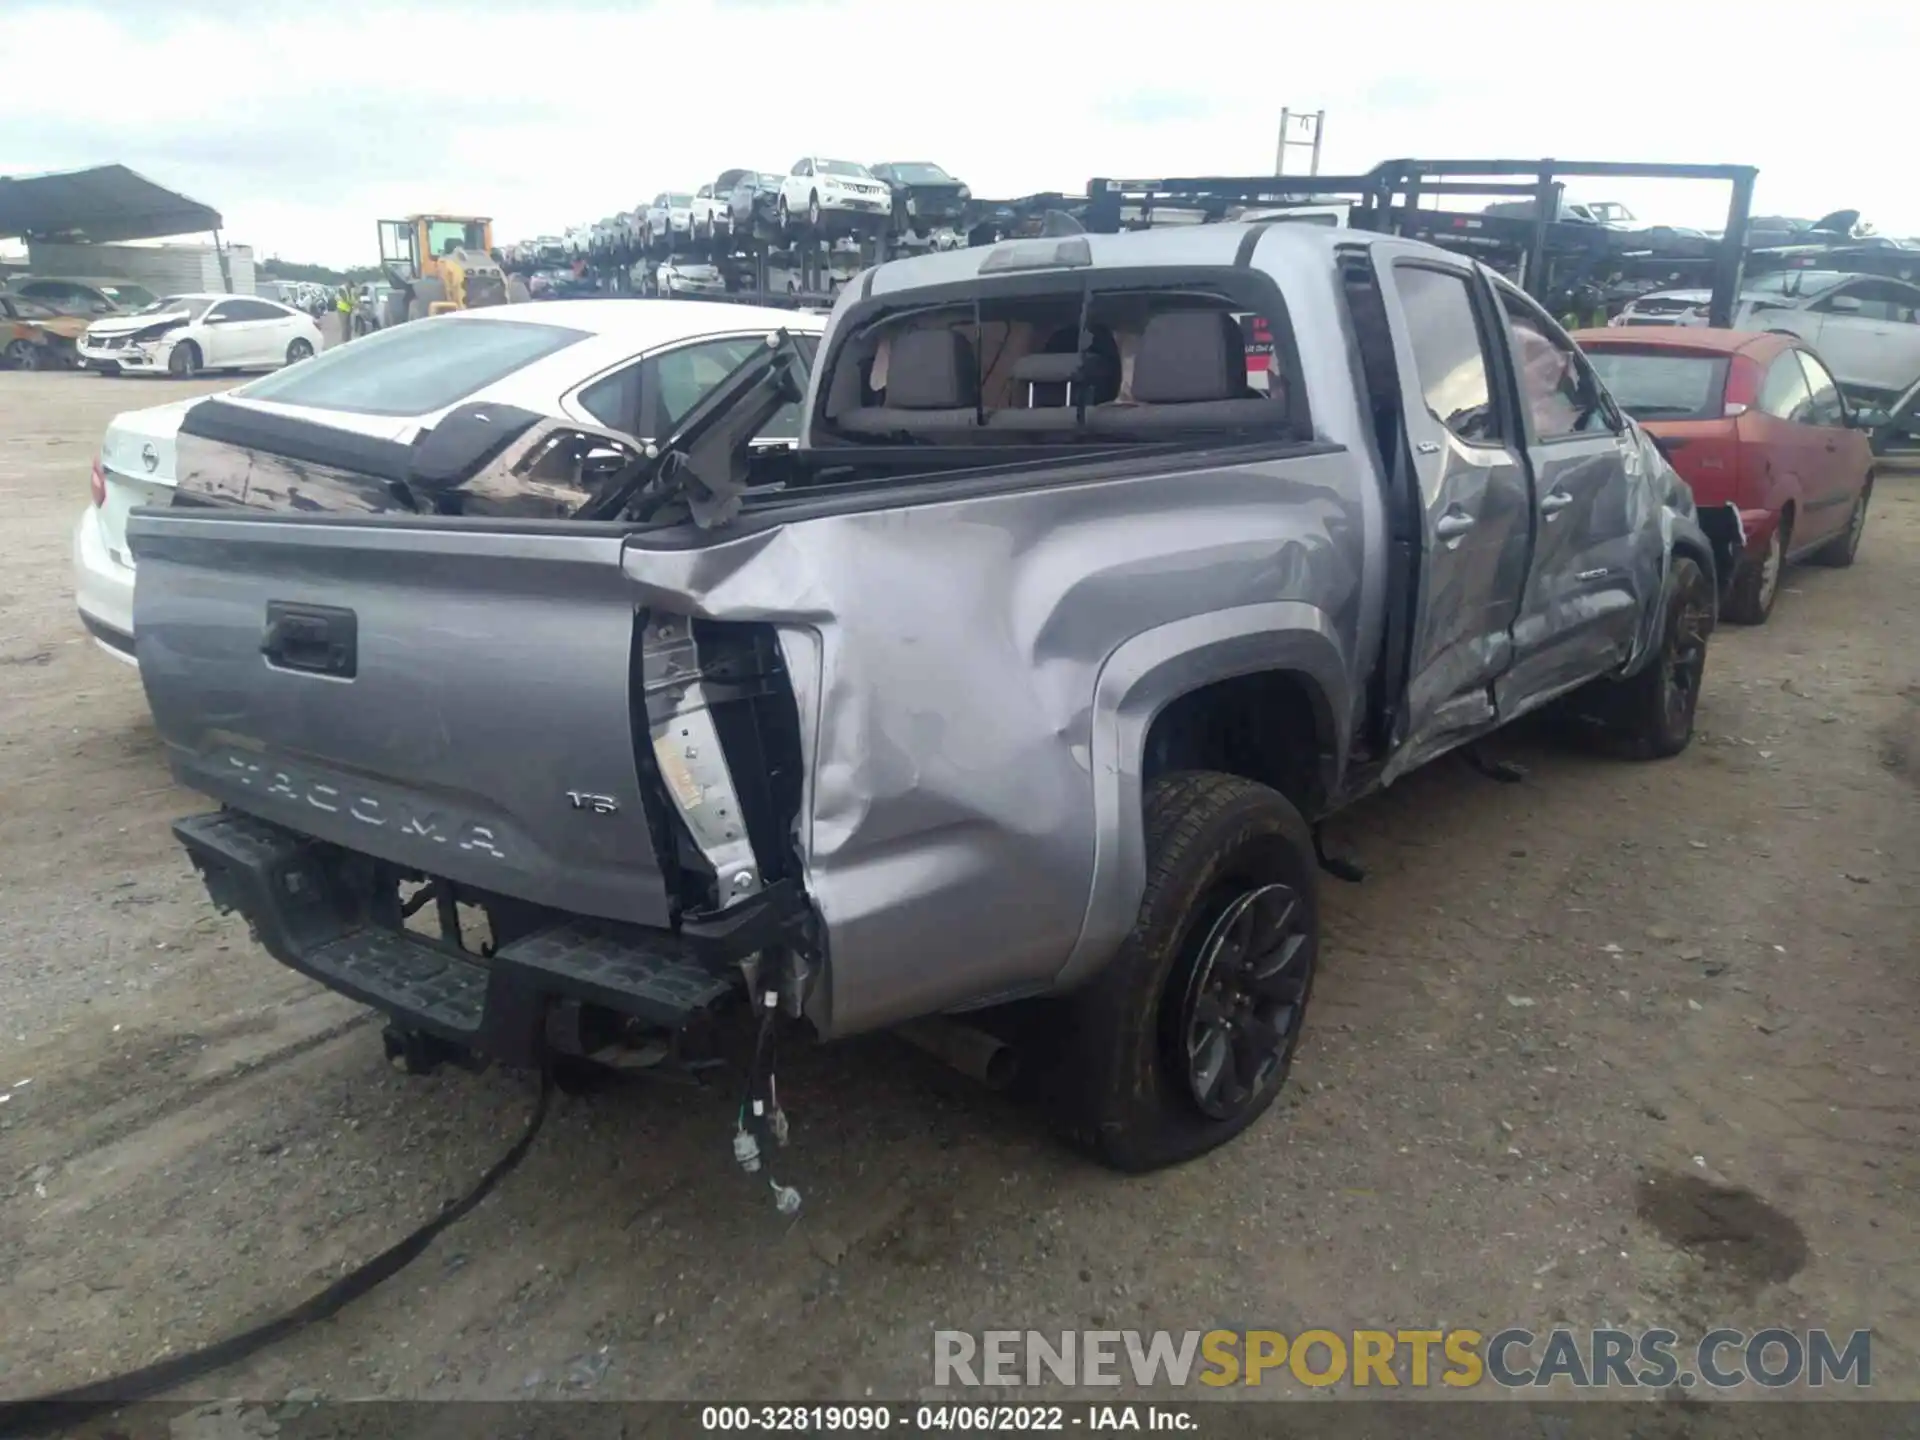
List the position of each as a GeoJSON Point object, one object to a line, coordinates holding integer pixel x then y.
{"type": "Point", "coordinates": [1837, 457]}
{"type": "Point", "coordinates": [1777, 447]}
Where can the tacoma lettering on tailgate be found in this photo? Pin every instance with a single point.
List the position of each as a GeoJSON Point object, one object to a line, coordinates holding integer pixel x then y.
{"type": "Point", "coordinates": [396, 815]}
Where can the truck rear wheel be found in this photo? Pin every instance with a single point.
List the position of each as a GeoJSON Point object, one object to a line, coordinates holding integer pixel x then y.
{"type": "Point", "coordinates": [1653, 711]}
{"type": "Point", "coordinates": [1187, 1035]}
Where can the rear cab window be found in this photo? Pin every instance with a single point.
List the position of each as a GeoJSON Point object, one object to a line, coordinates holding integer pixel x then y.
{"type": "Point", "coordinates": [1064, 356]}
{"type": "Point", "coordinates": [415, 369]}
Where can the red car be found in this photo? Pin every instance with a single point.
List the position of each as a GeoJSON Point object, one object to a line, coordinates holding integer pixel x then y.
{"type": "Point", "coordinates": [1756, 421]}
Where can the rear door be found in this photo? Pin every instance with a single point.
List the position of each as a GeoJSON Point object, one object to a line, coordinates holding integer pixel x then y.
{"type": "Point", "coordinates": [1474, 491]}
{"type": "Point", "coordinates": [258, 331]}
{"type": "Point", "coordinates": [1869, 334]}
{"type": "Point", "coordinates": [223, 338]}
{"type": "Point", "coordinates": [298, 670]}
{"type": "Point", "coordinates": [1590, 568]}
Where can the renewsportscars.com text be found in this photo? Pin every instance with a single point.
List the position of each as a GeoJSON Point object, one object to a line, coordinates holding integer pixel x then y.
{"type": "Point", "coordinates": [1655, 1359]}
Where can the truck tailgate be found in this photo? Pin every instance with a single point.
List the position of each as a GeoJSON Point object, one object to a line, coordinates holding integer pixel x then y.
{"type": "Point", "coordinates": [455, 701]}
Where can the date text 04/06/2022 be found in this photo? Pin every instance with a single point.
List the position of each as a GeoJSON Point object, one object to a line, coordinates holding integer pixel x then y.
{"type": "Point", "coordinates": [964, 1418]}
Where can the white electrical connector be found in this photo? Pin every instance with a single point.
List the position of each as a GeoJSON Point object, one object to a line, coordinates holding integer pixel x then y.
{"type": "Point", "coordinates": [778, 1125]}
{"type": "Point", "coordinates": [786, 1199]}
{"type": "Point", "coordinates": [746, 1150]}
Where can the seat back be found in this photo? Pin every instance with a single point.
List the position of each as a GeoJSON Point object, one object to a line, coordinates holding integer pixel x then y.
{"type": "Point", "coordinates": [1191, 368]}
{"type": "Point", "coordinates": [932, 383]}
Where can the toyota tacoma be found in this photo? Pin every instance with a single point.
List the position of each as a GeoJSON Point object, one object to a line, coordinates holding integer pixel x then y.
{"type": "Point", "coordinates": [1016, 692]}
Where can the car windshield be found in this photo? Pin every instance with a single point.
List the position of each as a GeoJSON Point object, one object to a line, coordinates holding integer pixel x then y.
{"type": "Point", "coordinates": [843, 167]}
{"type": "Point", "coordinates": [415, 369]}
{"type": "Point", "coordinates": [176, 305]}
{"type": "Point", "coordinates": [679, 200]}
{"type": "Point", "coordinates": [1654, 385]}
{"type": "Point", "coordinates": [919, 173]}
{"type": "Point", "coordinates": [768, 179]}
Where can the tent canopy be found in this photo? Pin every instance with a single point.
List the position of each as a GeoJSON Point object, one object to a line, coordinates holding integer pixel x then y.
{"type": "Point", "coordinates": [104, 204]}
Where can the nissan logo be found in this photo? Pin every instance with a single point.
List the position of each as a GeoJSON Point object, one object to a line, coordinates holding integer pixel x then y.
{"type": "Point", "coordinates": [150, 458]}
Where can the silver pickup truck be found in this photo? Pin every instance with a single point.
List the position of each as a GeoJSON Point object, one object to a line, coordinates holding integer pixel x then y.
{"type": "Point", "coordinates": [1018, 694]}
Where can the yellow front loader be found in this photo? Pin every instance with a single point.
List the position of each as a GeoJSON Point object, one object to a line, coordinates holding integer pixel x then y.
{"type": "Point", "coordinates": [443, 262]}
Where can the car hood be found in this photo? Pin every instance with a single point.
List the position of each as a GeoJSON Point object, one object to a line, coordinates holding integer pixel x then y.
{"type": "Point", "coordinates": [1692, 297]}
{"type": "Point", "coordinates": [127, 324]}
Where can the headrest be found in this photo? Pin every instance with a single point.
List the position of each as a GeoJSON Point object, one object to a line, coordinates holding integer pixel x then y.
{"type": "Point", "coordinates": [1189, 355]}
{"type": "Point", "coordinates": [931, 370]}
{"type": "Point", "coordinates": [1054, 369]}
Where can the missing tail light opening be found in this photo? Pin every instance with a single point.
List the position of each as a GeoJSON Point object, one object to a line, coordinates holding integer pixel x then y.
{"type": "Point", "coordinates": [97, 484]}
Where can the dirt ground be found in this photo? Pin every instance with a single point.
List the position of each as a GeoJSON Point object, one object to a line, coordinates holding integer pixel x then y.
{"type": "Point", "coordinates": [1550, 1010]}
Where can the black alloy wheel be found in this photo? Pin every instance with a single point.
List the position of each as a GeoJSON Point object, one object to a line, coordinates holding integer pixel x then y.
{"type": "Point", "coordinates": [1245, 996]}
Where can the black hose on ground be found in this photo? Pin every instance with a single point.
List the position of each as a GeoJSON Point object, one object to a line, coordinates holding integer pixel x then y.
{"type": "Point", "coordinates": [39, 1414]}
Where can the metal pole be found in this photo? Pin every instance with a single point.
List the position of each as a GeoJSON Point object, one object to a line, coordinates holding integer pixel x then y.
{"type": "Point", "coordinates": [1732, 255]}
{"type": "Point", "coordinates": [1280, 151]}
{"type": "Point", "coordinates": [1319, 118]}
{"type": "Point", "coordinates": [1546, 211]}
{"type": "Point", "coordinates": [226, 272]}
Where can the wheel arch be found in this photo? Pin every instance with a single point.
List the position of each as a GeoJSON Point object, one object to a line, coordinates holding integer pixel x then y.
{"type": "Point", "coordinates": [1162, 689]}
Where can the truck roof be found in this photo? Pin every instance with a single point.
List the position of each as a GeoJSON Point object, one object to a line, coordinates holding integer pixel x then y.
{"type": "Point", "coordinates": [1285, 241]}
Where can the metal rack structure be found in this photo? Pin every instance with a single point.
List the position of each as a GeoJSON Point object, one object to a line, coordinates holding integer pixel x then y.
{"type": "Point", "coordinates": [1546, 255]}
{"type": "Point", "coordinates": [1551, 257]}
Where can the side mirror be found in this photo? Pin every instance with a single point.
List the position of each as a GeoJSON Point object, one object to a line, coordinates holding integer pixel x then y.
{"type": "Point", "coordinates": [1844, 305]}
{"type": "Point", "coordinates": [1871, 419]}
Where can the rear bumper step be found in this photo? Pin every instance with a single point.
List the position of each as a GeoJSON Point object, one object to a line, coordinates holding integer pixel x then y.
{"type": "Point", "coordinates": [306, 913]}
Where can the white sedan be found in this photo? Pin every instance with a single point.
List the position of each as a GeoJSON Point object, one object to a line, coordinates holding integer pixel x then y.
{"type": "Point", "coordinates": [818, 189]}
{"type": "Point", "coordinates": [669, 219]}
{"type": "Point", "coordinates": [688, 279]}
{"type": "Point", "coordinates": [1866, 327]}
{"type": "Point", "coordinates": [182, 335]}
{"type": "Point", "coordinates": [632, 368]}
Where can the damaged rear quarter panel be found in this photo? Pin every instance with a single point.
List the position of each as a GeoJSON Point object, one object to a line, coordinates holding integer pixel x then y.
{"type": "Point", "coordinates": [946, 660]}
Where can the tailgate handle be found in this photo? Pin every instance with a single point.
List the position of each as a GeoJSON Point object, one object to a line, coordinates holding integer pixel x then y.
{"type": "Point", "coordinates": [313, 639]}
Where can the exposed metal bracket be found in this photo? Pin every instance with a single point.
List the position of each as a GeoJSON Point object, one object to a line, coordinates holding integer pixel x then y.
{"type": "Point", "coordinates": [686, 745]}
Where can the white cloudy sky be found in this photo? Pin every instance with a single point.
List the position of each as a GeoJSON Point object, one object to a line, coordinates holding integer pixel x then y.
{"type": "Point", "coordinates": [304, 122]}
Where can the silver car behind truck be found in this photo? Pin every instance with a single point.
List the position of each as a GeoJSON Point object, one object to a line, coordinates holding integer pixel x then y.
{"type": "Point", "coordinates": [1021, 696]}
